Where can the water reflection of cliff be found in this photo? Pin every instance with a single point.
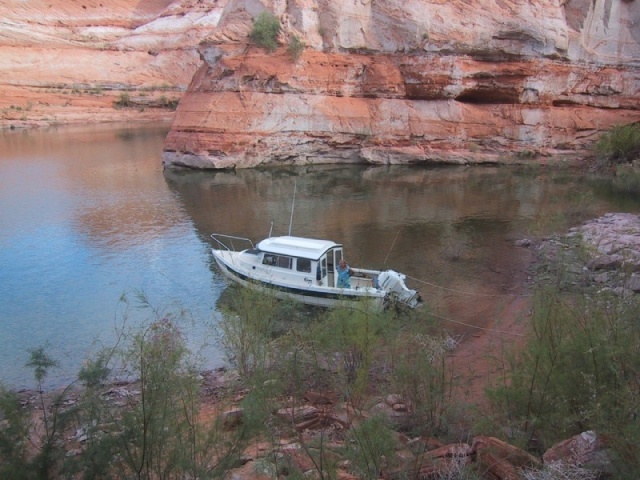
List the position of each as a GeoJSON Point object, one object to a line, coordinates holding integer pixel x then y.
{"type": "Point", "coordinates": [106, 179]}
{"type": "Point", "coordinates": [451, 227]}
{"type": "Point", "coordinates": [331, 197]}
{"type": "Point", "coordinates": [367, 208]}
{"type": "Point", "coordinates": [114, 173]}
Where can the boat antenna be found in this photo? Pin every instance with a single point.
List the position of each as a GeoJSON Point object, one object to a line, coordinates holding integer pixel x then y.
{"type": "Point", "coordinates": [271, 229]}
{"type": "Point", "coordinates": [293, 204]}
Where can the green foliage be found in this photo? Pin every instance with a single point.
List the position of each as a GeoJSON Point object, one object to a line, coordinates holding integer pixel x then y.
{"type": "Point", "coordinates": [41, 363]}
{"type": "Point", "coordinates": [171, 104]}
{"type": "Point", "coordinates": [14, 429]}
{"type": "Point", "coordinates": [247, 329]}
{"type": "Point", "coordinates": [348, 339]}
{"type": "Point", "coordinates": [298, 366]}
{"type": "Point", "coordinates": [124, 100]}
{"type": "Point", "coordinates": [620, 145]}
{"type": "Point", "coordinates": [627, 180]}
{"type": "Point", "coordinates": [265, 31]}
{"type": "Point", "coordinates": [420, 376]}
{"type": "Point", "coordinates": [48, 460]}
{"type": "Point", "coordinates": [95, 418]}
{"type": "Point", "coordinates": [371, 448]}
{"type": "Point", "coordinates": [577, 372]}
{"type": "Point", "coordinates": [152, 432]}
{"type": "Point", "coordinates": [156, 433]}
{"type": "Point", "coordinates": [34, 449]}
{"type": "Point", "coordinates": [158, 430]}
{"type": "Point", "coordinates": [295, 48]}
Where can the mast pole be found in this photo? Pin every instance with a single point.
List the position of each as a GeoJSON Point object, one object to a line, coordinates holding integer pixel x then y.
{"type": "Point", "coordinates": [293, 204]}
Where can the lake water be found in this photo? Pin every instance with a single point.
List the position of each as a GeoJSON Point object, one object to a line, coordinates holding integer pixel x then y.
{"type": "Point", "coordinates": [88, 215]}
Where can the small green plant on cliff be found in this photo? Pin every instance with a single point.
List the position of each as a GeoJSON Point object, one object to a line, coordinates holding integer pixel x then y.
{"type": "Point", "coordinates": [124, 100]}
{"type": "Point", "coordinates": [295, 48]}
{"type": "Point", "coordinates": [620, 145]}
{"type": "Point", "coordinates": [170, 103]}
{"type": "Point", "coordinates": [265, 31]}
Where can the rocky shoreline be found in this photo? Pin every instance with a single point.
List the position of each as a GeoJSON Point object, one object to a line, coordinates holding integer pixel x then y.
{"type": "Point", "coordinates": [322, 417]}
{"type": "Point", "coordinates": [603, 253]}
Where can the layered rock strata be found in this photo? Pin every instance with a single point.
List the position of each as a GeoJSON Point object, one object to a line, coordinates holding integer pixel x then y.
{"type": "Point", "coordinates": [75, 61]}
{"type": "Point", "coordinates": [411, 82]}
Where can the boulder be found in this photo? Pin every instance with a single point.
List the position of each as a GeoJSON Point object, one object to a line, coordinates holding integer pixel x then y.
{"type": "Point", "coordinates": [441, 462]}
{"type": "Point", "coordinates": [587, 449]}
{"type": "Point", "coordinates": [497, 450]}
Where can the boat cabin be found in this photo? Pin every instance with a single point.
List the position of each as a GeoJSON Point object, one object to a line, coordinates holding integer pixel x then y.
{"type": "Point", "coordinates": [313, 260]}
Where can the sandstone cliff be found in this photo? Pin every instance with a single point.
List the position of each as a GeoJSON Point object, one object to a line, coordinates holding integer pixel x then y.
{"type": "Point", "coordinates": [69, 61]}
{"type": "Point", "coordinates": [384, 81]}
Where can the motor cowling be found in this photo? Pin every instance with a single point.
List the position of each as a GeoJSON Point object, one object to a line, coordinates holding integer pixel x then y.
{"type": "Point", "coordinates": [392, 282]}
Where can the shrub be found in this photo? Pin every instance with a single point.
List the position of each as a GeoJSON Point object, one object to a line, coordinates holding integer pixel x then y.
{"type": "Point", "coordinates": [295, 48]}
{"type": "Point", "coordinates": [123, 100]}
{"type": "Point", "coordinates": [14, 431]}
{"type": "Point", "coordinates": [370, 447]}
{"type": "Point", "coordinates": [29, 447]}
{"type": "Point", "coordinates": [620, 145]}
{"type": "Point", "coordinates": [170, 103]}
{"type": "Point", "coordinates": [246, 330]}
{"type": "Point", "coordinates": [265, 31]}
{"type": "Point", "coordinates": [154, 432]}
{"type": "Point", "coordinates": [420, 376]}
{"type": "Point", "coordinates": [627, 180]}
{"type": "Point", "coordinates": [348, 340]}
{"type": "Point", "coordinates": [577, 372]}
{"type": "Point", "coordinates": [158, 429]}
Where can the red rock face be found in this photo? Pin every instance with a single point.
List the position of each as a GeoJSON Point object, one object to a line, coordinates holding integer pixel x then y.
{"type": "Point", "coordinates": [68, 62]}
{"type": "Point", "coordinates": [412, 82]}
{"type": "Point", "coordinates": [380, 81]}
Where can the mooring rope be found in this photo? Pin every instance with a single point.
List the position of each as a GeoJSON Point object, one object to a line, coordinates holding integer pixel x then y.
{"type": "Point", "coordinates": [476, 326]}
{"type": "Point", "coordinates": [467, 293]}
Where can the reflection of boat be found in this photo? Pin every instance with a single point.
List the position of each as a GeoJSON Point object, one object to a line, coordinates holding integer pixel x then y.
{"type": "Point", "coordinates": [304, 269]}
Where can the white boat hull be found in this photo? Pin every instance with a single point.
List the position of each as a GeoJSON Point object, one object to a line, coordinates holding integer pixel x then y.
{"type": "Point", "coordinates": [308, 293]}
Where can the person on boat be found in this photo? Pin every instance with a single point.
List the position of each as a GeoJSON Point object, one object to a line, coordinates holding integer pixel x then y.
{"type": "Point", "coordinates": [344, 274]}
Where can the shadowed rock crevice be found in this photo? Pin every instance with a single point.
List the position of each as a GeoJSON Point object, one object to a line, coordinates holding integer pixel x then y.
{"type": "Point", "coordinates": [486, 95]}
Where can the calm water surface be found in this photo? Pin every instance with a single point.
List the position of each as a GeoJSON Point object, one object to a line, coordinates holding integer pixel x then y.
{"type": "Point", "coordinates": [88, 215]}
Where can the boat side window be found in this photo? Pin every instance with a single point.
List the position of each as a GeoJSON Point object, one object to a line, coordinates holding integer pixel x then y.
{"type": "Point", "coordinates": [303, 265]}
{"type": "Point", "coordinates": [277, 260]}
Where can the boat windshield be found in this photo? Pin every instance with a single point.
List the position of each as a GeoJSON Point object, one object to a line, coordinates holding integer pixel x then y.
{"type": "Point", "coordinates": [277, 260]}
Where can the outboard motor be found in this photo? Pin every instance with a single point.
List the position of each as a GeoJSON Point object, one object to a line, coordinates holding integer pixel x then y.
{"type": "Point", "coordinates": [392, 282]}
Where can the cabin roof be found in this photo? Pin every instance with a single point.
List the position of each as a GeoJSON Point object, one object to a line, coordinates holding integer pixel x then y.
{"type": "Point", "coordinates": [296, 246]}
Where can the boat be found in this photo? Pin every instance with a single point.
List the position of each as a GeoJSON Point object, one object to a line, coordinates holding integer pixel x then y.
{"type": "Point", "coordinates": [305, 270]}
